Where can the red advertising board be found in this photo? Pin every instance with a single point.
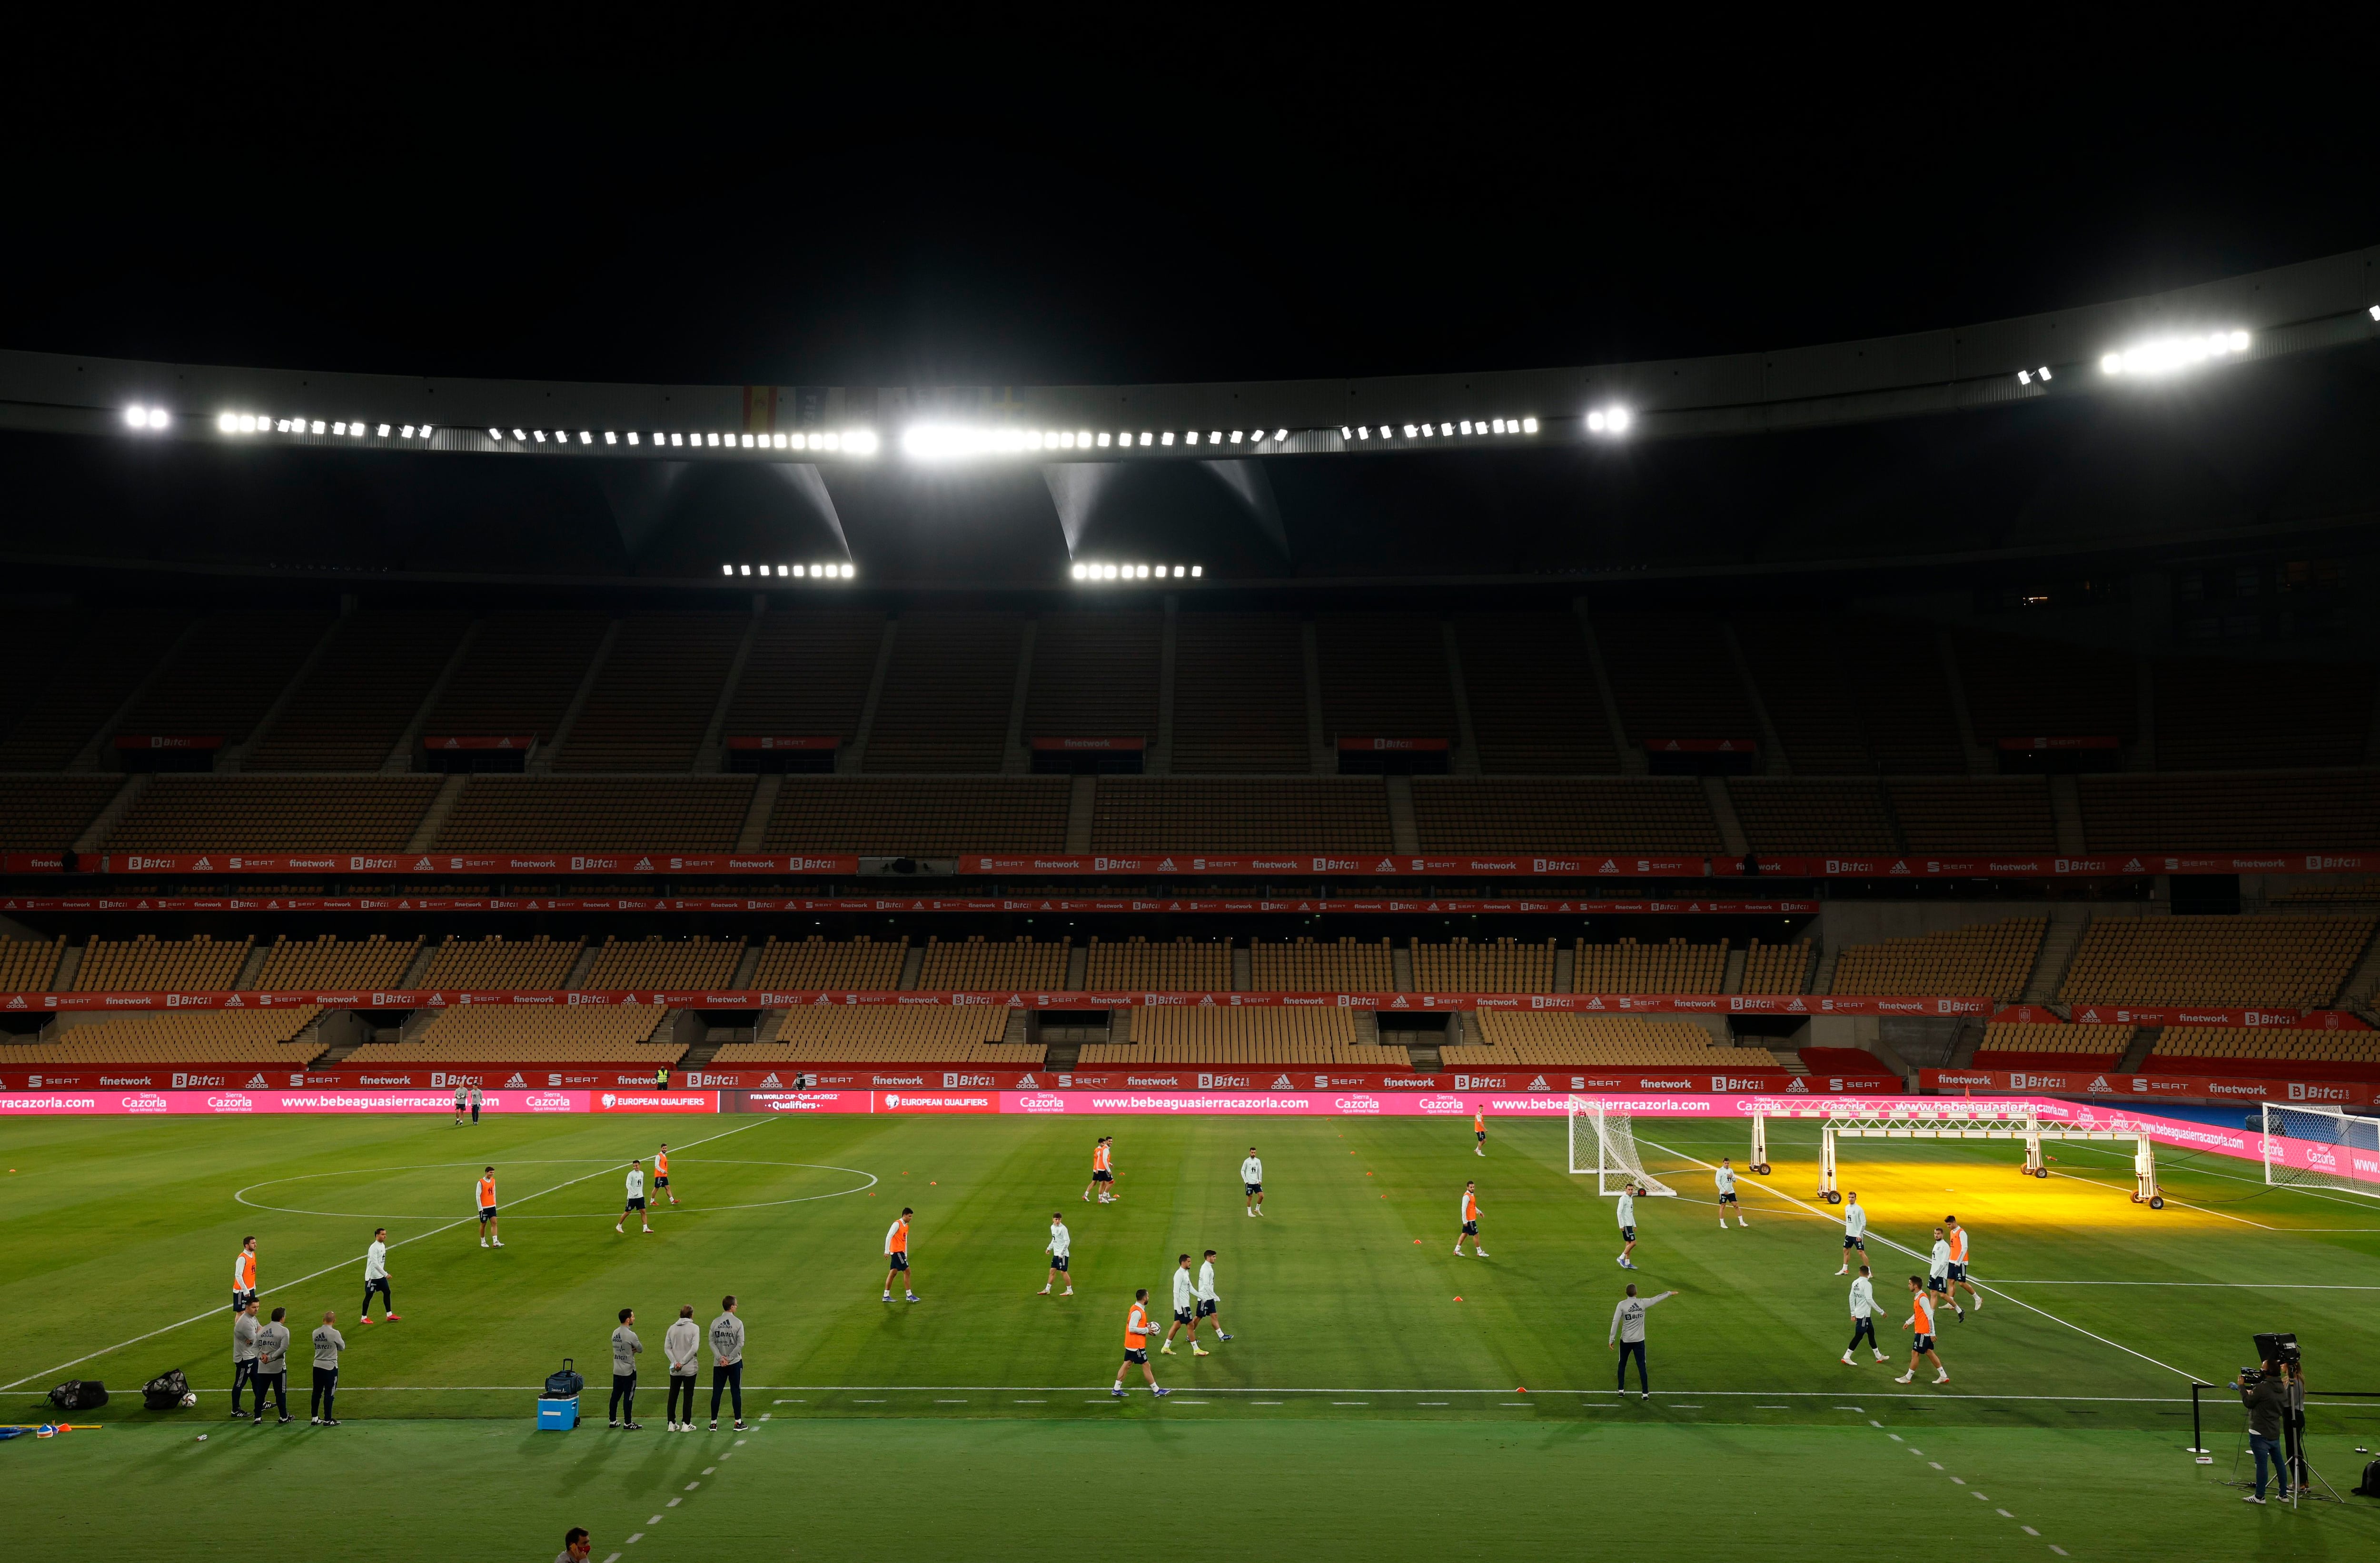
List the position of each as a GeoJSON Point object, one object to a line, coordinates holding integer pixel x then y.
{"type": "Point", "coordinates": [1069, 746]}
{"type": "Point", "coordinates": [2137, 1088]}
{"type": "Point", "coordinates": [769, 744]}
{"type": "Point", "coordinates": [1701, 746]}
{"type": "Point", "coordinates": [2040, 745]}
{"type": "Point", "coordinates": [385, 862]}
{"type": "Point", "coordinates": [1112, 904]}
{"type": "Point", "coordinates": [1392, 746]}
{"type": "Point", "coordinates": [161, 740]}
{"type": "Point", "coordinates": [460, 742]}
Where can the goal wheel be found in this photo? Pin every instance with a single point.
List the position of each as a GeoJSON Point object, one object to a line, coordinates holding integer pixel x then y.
{"type": "Point", "coordinates": [1834, 1199]}
{"type": "Point", "coordinates": [2041, 1172]}
{"type": "Point", "coordinates": [2136, 1198]}
{"type": "Point", "coordinates": [2157, 1201]}
{"type": "Point", "coordinates": [1761, 1170]}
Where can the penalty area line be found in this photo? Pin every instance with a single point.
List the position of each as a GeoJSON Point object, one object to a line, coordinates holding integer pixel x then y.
{"type": "Point", "coordinates": [327, 1269]}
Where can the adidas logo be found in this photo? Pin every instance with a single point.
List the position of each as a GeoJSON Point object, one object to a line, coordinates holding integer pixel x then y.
{"type": "Point", "coordinates": [1386, 867]}
{"type": "Point", "coordinates": [644, 865]}
{"type": "Point", "coordinates": [1539, 1085]}
{"type": "Point", "coordinates": [1026, 1082]}
{"type": "Point", "coordinates": [202, 866]}
{"type": "Point", "coordinates": [772, 1078]}
{"type": "Point", "coordinates": [2099, 1085]}
{"type": "Point", "coordinates": [516, 1083]}
{"type": "Point", "coordinates": [425, 866]}
{"type": "Point", "coordinates": [1166, 866]}
{"type": "Point", "coordinates": [233, 1002]}
{"type": "Point", "coordinates": [256, 1083]}
{"type": "Point", "coordinates": [1609, 867]}
{"type": "Point", "coordinates": [1280, 1082]}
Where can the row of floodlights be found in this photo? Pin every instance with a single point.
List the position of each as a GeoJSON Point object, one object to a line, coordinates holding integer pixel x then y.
{"type": "Point", "coordinates": [1088, 572]}
{"type": "Point", "coordinates": [944, 442]}
{"type": "Point", "coordinates": [794, 572]}
{"type": "Point", "coordinates": [1442, 431]}
{"type": "Point", "coordinates": [849, 442]}
{"type": "Point", "coordinates": [2171, 355]}
{"type": "Point", "coordinates": [264, 424]}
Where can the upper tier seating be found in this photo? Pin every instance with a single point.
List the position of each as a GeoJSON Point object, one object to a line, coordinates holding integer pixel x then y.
{"type": "Point", "coordinates": [663, 964]}
{"type": "Point", "coordinates": [145, 963]}
{"type": "Point", "coordinates": [1199, 814]}
{"type": "Point", "coordinates": [1238, 694]}
{"type": "Point", "coordinates": [2322, 811]}
{"type": "Point", "coordinates": [1986, 959]}
{"type": "Point", "coordinates": [227, 675]}
{"type": "Point", "coordinates": [808, 673]}
{"type": "Point", "coordinates": [81, 668]}
{"type": "Point", "coordinates": [945, 706]}
{"type": "Point", "coordinates": [976, 964]}
{"type": "Point", "coordinates": [509, 1033]}
{"type": "Point", "coordinates": [927, 816]}
{"type": "Point", "coordinates": [1673, 676]}
{"type": "Point", "coordinates": [653, 699]}
{"type": "Point", "coordinates": [1519, 1038]}
{"type": "Point", "coordinates": [1774, 968]}
{"type": "Point", "coordinates": [519, 677]}
{"type": "Point", "coordinates": [235, 1036]}
{"type": "Point", "coordinates": [2015, 1044]}
{"type": "Point", "coordinates": [1795, 667]}
{"type": "Point", "coordinates": [597, 813]}
{"type": "Point", "coordinates": [2345, 890]}
{"type": "Point", "coordinates": [237, 814]}
{"type": "Point", "coordinates": [1384, 676]}
{"type": "Point", "coordinates": [2022, 687]}
{"type": "Point", "coordinates": [359, 698]}
{"type": "Point", "coordinates": [1163, 1036]}
{"type": "Point", "coordinates": [496, 964]}
{"type": "Point", "coordinates": [2216, 716]}
{"type": "Point", "coordinates": [884, 1034]}
{"type": "Point", "coordinates": [2196, 1050]}
{"type": "Point", "coordinates": [1629, 967]}
{"type": "Point", "coordinates": [1898, 686]}
{"type": "Point", "coordinates": [328, 961]}
{"type": "Point", "coordinates": [1140, 965]}
{"type": "Point", "coordinates": [1094, 675]}
{"type": "Point", "coordinates": [2295, 961]}
{"type": "Point", "coordinates": [27, 965]}
{"type": "Point", "coordinates": [1594, 816]}
{"type": "Point", "coordinates": [1343, 965]}
{"type": "Point", "coordinates": [1993, 814]}
{"type": "Point", "coordinates": [1811, 818]}
{"type": "Point", "coordinates": [48, 813]}
{"type": "Point", "coordinates": [1502, 965]}
{"type": "Point", "coordinates": [818, 964]}
{"type": "Point", "coordinates": [1534, 706]}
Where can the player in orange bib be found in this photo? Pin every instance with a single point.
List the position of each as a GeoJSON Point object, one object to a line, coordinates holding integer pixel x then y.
{"type": "Point", "coordinates": [1479, 1131]}
{"type": "Point", "coordinates": [488, 1238]}
{"type": "Point", "coordinates": [243, 1274]}
{"type": "Point", "coordinates": [1921, 1340]}
{"type": "Point", "coordinates": [1470, 1222]}
{"type": "Point", "coordinates": [1956, 1236]}
{"type": "Point", "coordinates": [661, 1173]}
{"type": "Point", "coordinates": [1136, 1346]}
{"type": "Point", "coordinates": [896, 1255]}
{"type": "Point", "coordinates": [1102, 1170]}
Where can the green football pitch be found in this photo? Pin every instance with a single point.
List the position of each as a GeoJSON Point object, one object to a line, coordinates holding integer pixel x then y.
{"type": "Point", "coordinates": [1379, 1395]}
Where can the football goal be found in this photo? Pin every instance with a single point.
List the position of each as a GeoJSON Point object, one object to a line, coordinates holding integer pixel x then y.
{"type": "Point", "coordinates": [1971, 1120]}
{"type": "Point", "coordinates": [2322, 1148]}
{"type": "Point", "coordinates": [1603, 1143]}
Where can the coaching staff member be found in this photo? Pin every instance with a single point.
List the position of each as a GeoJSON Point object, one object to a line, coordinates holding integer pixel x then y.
{"type": "Point", "coordinates": [1627, 1334]}
{"type": "Point", "coordinates": [625, 1347]}
{"type": "Point", "coordinates": [726, 1360]}
{"type": "Point", "coordinates": [272, 1365]}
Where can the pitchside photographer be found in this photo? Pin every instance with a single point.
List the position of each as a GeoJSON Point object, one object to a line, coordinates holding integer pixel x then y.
{"type": "Point", "coordinates": [2265, 1393]}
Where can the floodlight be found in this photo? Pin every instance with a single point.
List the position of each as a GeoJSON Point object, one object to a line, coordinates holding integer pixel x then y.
{"type": "Point", "coordinates": [1177, 572]}
{"type": "Point", "coordinates": [781, 569]}
{"type": "Point", "coordinates": [1191, 438]}
{"type": "Point", "coordinates": [1528, 425]}
{"type": "Point", "coordinates": [849, 571]}
{"type": "Point", "coordinates": [137, 416]}
{"type": "Point", "coordinates": [1144, 438]}
{"type": "Point", "coordinates": [1077, 572]}
{"type": "Point", "coordinates": [1167, 440]}
{"type": "Point", "coordinates": [2171, 355]}
{"type": "Point", "coordinates": [677, 439]}
{"type": "Point", "coordinates": [727, 569]}
{"type": "Point", "coordinates": [1409, 431]}
{"type": "Point", "coordinates": [383, 431]}
{"type": "Point", "coordinates": [2374, 312]}
{"type": "Point", "coordinates": [1103, 440]}
{"type": "Point", "coordinates": [1279, 434]}
{"type": "Point", "coordinates": [227, 423]}
{"type": "Point", "coordinates": [1430, 431]}
{"type": "Point", "coordinates": [1196, 570]}
{"type": "Point", "coordinates": [1215, 439]}
{"type": "Point", "coordinates": [1344, 431]}
{"type": "Point", "coordinates": [2042, 371]}
{"type": "Point", "coordinates": [541, 436]}
{"type": "Point", "coordinates": [1365, 432]}
{"type": "Point", "coordinates": [1466, 425]}
{"type": "Point", "coordinates": [1083, 439]}
{"type": "Point", "coordinates": [408, 434]}
{"type": "Point", "coordinates": [748, 569]}
{"type": "Point", "coordinates": [611, 438]}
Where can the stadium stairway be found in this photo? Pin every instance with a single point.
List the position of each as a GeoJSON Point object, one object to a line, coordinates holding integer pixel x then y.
{"type": "Point", "coordinates": [2059, 942]}
{"type": "Point", "coordinates": [2143, 1042]}
{"type": "Point", "coordinates": [2356, 993]}
{"type": "Point", "coordinates": [251, 969]}
{"type": "Point", "coordinates": [433, 819]}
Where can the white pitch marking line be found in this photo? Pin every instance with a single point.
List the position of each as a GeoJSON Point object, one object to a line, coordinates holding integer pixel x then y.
{"type": "Point", "coordinates": [2028, 1530]}
{"type": "Point", "coordinates": [2245, 1285]}
{"type": "Point", "coordinates": [222, 1310]}
{"type": "Point", "coordinates": [635, 1539]}
{"type": "Point", "coordinates": [709, 1468]}
{"type": "Point", "coordinates": [2060, 1550]}
{"type": "Point", "coordinates": [674, 1502]}
{"type": "Point", "coordinates": [2004, 1514]}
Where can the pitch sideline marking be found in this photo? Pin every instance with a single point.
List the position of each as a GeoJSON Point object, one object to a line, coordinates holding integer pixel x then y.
{"type": "Point", "coordinates": [1912, 1253]}
{"type": "Point", "coordinates": [212, 1312]}
{"type": "Point", "coordinates": [241, 1195]}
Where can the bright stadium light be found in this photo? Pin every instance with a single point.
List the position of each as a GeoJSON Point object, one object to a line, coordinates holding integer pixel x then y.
{"type": "Point", "coordinates": [1612, 421]}
{"type": "Point", "coordinates": [2173, 355]}
{"type": "Point", "coordinates": [137, 416]}
{"type": "Point", "coordinates": [1278, 436]}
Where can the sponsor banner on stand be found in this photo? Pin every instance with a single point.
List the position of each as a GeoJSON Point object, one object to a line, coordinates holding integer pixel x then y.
{"type": "Point", "coordinates": [2170, 1088]}
{"type": "Point", "coordinates": [386, 862]}
{"type": "Point", "coordinates": [237, 1102]}
{"type": "Point", "coordinates": [1393, 746]}
{"type": "Point", "coordinates": [768, 743]}
{"type": "Point", "coordinates": [1092, 746]}
{"type": "Point", "coordinates": [651, 1101]}
{"type": "Point", "coordinates": [1156, 905]}
{"type": "Point", "coordinates": [124, 741]}
{"type": "Point", "coordinates": [443, 741]}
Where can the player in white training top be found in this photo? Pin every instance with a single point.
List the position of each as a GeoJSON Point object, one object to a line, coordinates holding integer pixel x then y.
{"type": "Point", "coordinates": [1060, 1245]}
{"type": "Point", "coordinates": [1937, 1273]}
{"type": "Point", "coordinates": [635, 1205]}
{"type": "Point", "coordinates": [1185, 1311]}
{"type": "Point", "coordinates": [1863, 1317]}
{"type": "Point", "coordinates": [1854, 1232]}
{"type": "Point", "coordinates": [1725, 1177]}
{"type": "Point", "coordinates": [1207, 1300]}
{"type": "Point", "coordinates": [1628, 1225]}
{"type": "Point", "coordinates": [1252, 1175]}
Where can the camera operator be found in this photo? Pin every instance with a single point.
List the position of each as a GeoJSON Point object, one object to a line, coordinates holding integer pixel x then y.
{"type": "Point", "coordinates": [2268, 1399]}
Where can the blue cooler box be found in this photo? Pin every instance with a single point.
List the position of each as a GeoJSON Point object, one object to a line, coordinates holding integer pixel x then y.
{"type": "Point", "coordinates": [557, 1416]}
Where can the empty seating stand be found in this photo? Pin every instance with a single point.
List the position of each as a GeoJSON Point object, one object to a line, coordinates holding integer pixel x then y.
{"type": "Point", "coordinates": [1275, 1037]}
{"type": "Point", "coordinates": [1774, 968]}
{"type": "Point", "coordinates": [1384, 676]}
{"type": "Point", "coordinates": [1199, 814]}
{"type": "Point", "coordinates": [1629, 967]}
{"type": "Point", "coordinates": [1803, 818]}
{"type": "Point", "coordinates": [191, 813]}
{"type": "Point", "coordinates": [1587, 816]}
{"type": "Point", "coordinates": [506, 1033]}
{"type": "Point", "coordinates": [659, 962]}
{"type": "Point", "coordinates": [653, 699]}
{"type": "Point", "coordinates": [2024, 687]}
{"type": "Point", "coordinates": [47, 814]}
{"type": "Point", "coordinates": [1673, 677]}
{"type": "Point", "coordinates": [227, 675]}
{"type": "Point", "coordinates": [808, 674]}
{"type": "Point", "coordinates": [1182, 965]}
{"type": "Point", "coordinates": [1343, 965]}
{"type": "Point", "coordinates": [2017, 1045]}
{"type": "Point", "coordinates": [495, 964]}
{"type": "Point", "coordinates": [919, 816]}
{"type": "Point", "coordinates": [247, 1036]}
{"type": "Point", "coordinates": [975, 964]}
{"type": "Point", "coordinates": [28, 965]}
{"type": "Point", "coordinates": [145, 963]}
{"type": "Point", "coordinates": [2007, 815]}
{"type": "Point", "coordinates": [1531, 689]}
{"type": "Point", "coordinates": [1502, 965]}
{"type": "Point", "coordinates": [2318, 811]}
{"type": "Point", "coordinates": [597, 813]}
{"type": "Point", "coordinates": [1541, 1039]}
{"type": "Point", "coordinates": [518, 677]}
{"type": "Point", "coordinates": [818, 964]}
{"type": "Point", "coordinates": [1990, 958]}
{"type": "Point", "coordinates": [944, 705]}
{"type": "Point", "coordinates": [883, 1033]}
{"type": "Point", "coordinates": [1094, 675]}
{"type": "Point", "coordinates": [357, 701]}
{"type": "Point", "coordinates": [88, 666]}
{"type": "Point", "coordinates": [1238, 694]}
{"type": "Point", "coordinates": [1796, 669]}
{"type": "Point", "coordinates": [2219, 715]}
{"type": "Point", "coordinates": [328, 961]}
{"type": "Point", "coordinates": [2194, 1050]}
{"type": "Point", "coordinates": [2299, 962]}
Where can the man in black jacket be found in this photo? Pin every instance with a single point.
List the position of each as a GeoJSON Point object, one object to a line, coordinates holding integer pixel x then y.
{"type": "Point", "coordinates": [2267, 1400]}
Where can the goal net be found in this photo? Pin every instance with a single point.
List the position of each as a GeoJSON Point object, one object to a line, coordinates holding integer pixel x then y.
{"type": "Point", "coordinates": [1603, 1143]}
{"type": "Point", "coordinates": [2322, 1148]}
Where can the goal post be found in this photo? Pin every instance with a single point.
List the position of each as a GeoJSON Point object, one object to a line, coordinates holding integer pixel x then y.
{"type": "Point", "coordinates": [1603, 1145]}
{"type": "Point", "coordinates": [2321, 1148]}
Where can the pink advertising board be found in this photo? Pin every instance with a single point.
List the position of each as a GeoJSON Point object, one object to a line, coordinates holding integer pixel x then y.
{"type": "Point", "coordinates": [236, 1104]}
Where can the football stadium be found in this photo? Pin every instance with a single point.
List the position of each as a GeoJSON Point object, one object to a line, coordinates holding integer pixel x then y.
{"type": "Point", "coordinates": [1052, 922]}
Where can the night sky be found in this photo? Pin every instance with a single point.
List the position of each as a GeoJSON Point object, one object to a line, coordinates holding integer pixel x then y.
{"type": "Point", "coordinates": [741, 210]}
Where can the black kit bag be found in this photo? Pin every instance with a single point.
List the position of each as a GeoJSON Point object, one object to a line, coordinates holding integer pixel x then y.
{"type": "Point", "coordinates": [566, 1383]}
{"type": "Point", "coordinates": [80, 1395]}
{"type": "Point", "coordinates": [2371, 1488]}
{"type": "Point", "coordinates": [164, 1392]}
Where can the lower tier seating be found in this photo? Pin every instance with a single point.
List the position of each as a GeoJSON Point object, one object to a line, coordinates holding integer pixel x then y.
{"type": "Point", "coordinates": [506, 1033]}
{"type": "Point", "coordinates": [2015, 1045]}
{"type": "Point", "coordinates": [242, 1036]}
{"type": "Point", "coordinates": [1319, 1036]}
{"type": "Point", "coordinates": [2299, 962]}
{"type": "Point", "coordinates": [1539, 1038]}
{"type": "Point", "coordinates": [496, 964]}
{"type": "Point", "coordinates": [1992, 958]}
{"type": "Point", "coordinates": [1504, 965]}
{"type": "Point", "coordinates": [818, 964]}
{"type": "Point", "coordinates": [1345, 965]}
{"type": "Point", "coordinates": [1629, 967]}
{"type": "Point", "coordinates": [1182, 965]}
{"type": "Point", "coordinates": [145, 963]}
{"type": "Point", "coordinates": [884, 1034]}
{"type": "Point", "coordinates": [2192, 1050]}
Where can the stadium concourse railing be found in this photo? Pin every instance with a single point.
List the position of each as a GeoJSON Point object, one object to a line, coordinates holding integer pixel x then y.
{"type": "Point", "coordinates": [1532, 864]}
